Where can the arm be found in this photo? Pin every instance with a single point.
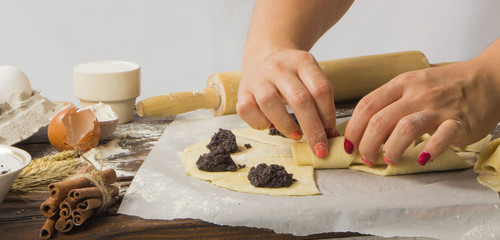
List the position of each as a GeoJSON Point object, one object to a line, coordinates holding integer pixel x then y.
{"type": "Point", "coordinates": [289, 24]}
{"type": "Point", "coordinates": [276, 65]}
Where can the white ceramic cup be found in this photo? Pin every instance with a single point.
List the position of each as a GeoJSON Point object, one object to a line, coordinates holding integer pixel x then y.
{"type": "Point", "coordinates": [116, 83]}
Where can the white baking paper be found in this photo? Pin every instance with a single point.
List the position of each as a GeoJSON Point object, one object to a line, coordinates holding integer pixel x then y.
{"type": "Point", "coordinates": [444, 205]}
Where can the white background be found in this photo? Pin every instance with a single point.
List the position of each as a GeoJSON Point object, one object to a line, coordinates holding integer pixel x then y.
{"type": "Point", "coordinates": [179, 43]}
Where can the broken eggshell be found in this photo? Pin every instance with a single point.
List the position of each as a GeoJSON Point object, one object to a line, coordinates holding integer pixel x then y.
{"type": "Point", "coordinates": [72, 128]}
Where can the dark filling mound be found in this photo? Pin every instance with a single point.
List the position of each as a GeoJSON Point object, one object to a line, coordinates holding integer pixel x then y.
{"type": "Point", "coordinates": [272, 176]}
{"type": "Point", "coordinates": [223, 140]}
{"type": "Point", "coordinates": [275, 131]}
{"type": "Point", "coordinates": [219, 159]}
{"type": "Point", "coordinates": [216, 161]}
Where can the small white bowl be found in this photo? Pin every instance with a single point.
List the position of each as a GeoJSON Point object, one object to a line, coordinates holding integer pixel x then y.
{"type": "Point", "coordinates": [107, 128]}
{"type": "Point", "coordinates": [107, 117]}
{"type": "Point", "coordinates": [12, 160]}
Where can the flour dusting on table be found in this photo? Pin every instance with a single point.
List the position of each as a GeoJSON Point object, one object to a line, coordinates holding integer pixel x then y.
{"type": "Point", "coordinates": [104, 154]}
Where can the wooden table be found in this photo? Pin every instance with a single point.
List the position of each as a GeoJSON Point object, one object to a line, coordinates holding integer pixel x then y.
{"type": "Point", "coordinates": [20, 216]}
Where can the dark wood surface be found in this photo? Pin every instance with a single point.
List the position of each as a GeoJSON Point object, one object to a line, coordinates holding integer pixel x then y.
{"type": "Point", "coordinates": [20, 216]}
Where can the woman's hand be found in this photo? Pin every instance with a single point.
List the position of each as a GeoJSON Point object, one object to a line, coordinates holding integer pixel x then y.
{"type": "Point", "coordinates": [277, 66]}
{"type": "Point", "coordinates": [292, 75]}
{"type": "Point", "coordinates": [457, 104]}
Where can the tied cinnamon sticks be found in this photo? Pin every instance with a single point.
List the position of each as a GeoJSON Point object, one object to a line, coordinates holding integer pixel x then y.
{"type": "Point", "coordinates": [73, 201]}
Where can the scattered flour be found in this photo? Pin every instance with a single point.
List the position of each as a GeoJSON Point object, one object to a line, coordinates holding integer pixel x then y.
{"type": "Point", "coordinates": [105, 151]}
{"type": "Point", "coordinates": [101, 156]}
{"type": "Point", "coordinates": [142, 187]}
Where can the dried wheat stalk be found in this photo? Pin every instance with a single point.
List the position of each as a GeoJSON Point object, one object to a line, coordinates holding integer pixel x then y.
{"type": "Point", "coordinates": [42, 171]}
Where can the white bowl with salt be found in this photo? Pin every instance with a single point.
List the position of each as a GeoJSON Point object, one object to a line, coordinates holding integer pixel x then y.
{"type": "Point", "coordinates": [12, 162]}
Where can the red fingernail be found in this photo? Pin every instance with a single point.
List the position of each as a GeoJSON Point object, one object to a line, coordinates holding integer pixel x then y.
{"type": "Point", "coordinates": [389, 162]}
{"type": "Point", "coordinates": [297, 135]}
{"type": "Point", "coordinates": [348, 146]}
{"type": "Point", "coordinates": [271, 126]}
{"type": "Point", "coordinates": [329, 133]}
{"type": "Point", "coordinates": [423, 158]}
{"type": "Point", "coordinates": [368, 163]}
{"type": "Point", "coordinates": [321, 150]}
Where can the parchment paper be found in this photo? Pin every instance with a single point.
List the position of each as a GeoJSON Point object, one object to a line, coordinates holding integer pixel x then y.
{"type": "Point", "coordinates": [445, 205]}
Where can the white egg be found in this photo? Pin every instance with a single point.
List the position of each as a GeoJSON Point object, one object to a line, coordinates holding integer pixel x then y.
{"type": "Point", "coordinates": [11, 79]}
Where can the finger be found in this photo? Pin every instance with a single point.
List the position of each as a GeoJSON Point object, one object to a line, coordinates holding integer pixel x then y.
{"type": "Point", "coordinates": [406, 131]}
{"type": "Point", "coordinates": [379, 127]}
{"type": "Point", "coordinates": [302, 104]}
{"type": "Point", "coordinates": [366, 108]}
{"type": "Point", "coordinates": [439, 141]}
{"type": "Point", "coordinates": [249, 111]}
{"type": "Point", "coordinates": [270, 103]}
{"type": "Point", "coordinates": [322, 94]}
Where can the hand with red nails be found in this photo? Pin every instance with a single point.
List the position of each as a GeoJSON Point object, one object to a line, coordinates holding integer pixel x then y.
{"type": "Point", "coordinates": [277, 66]}
{"type": "Point", "coordinates": [457, 104]}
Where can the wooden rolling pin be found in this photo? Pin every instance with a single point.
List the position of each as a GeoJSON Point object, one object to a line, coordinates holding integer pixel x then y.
{"type": "Point", "coordinates": [352, 78]}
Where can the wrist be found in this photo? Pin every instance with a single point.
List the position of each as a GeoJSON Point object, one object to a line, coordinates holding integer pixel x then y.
{"type": "Point", "coordinates": [487, 68]}
{"type": "Point", "coordinates": [256, 54]}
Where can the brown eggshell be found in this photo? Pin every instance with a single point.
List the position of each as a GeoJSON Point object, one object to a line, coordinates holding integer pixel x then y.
{"type": "Point", "coordinates": [70, 128]}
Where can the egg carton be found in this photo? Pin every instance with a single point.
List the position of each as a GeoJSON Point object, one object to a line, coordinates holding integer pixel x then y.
{"type": "Point", "coordinates": [22, 116]}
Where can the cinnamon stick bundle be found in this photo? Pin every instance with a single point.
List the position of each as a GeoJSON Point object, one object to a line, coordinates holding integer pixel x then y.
{"type": "Point", "coordinates": [73, 201]}
{"type": "Point", "coordinates": [59, 191]}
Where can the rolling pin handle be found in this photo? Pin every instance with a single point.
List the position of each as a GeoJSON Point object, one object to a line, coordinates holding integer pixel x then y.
{"type": "Point", "coordinates": [177, 103]}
